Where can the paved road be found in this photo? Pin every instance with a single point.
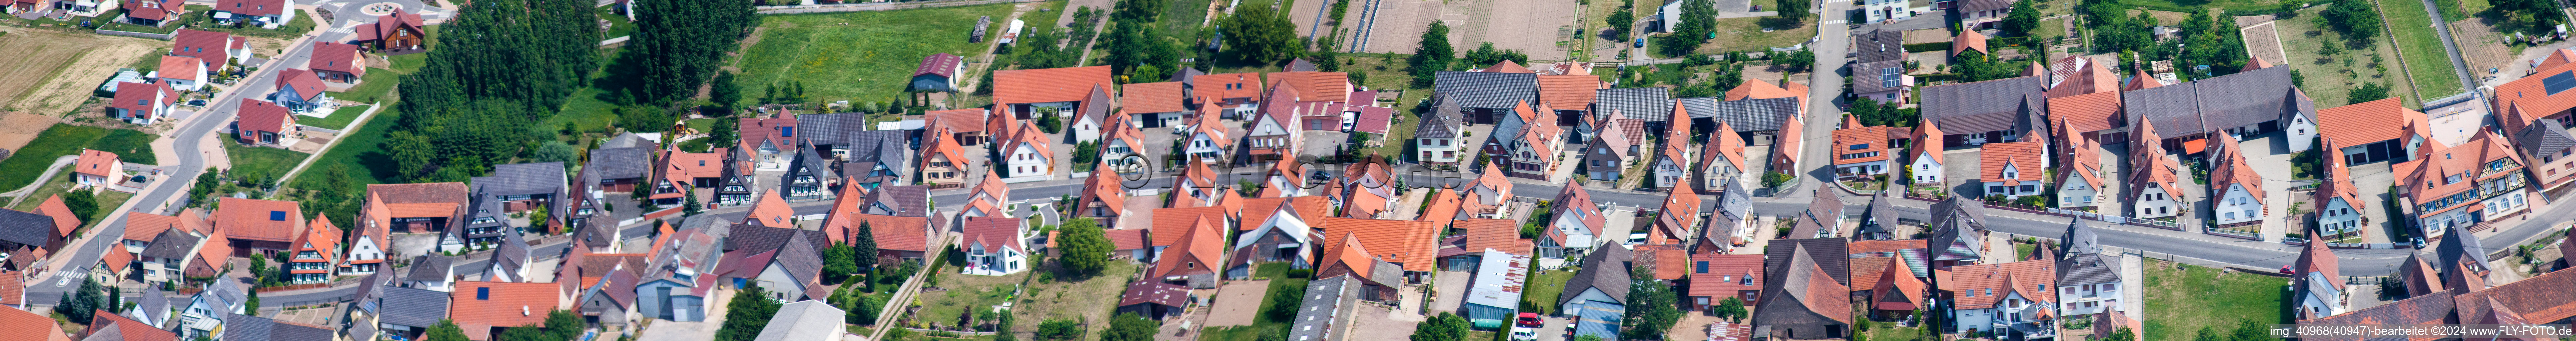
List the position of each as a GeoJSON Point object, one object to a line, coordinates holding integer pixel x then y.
{"type": "Point", "coordinates": [1824, 84]}
{"type": "Point", "coordinates": [191, 161]}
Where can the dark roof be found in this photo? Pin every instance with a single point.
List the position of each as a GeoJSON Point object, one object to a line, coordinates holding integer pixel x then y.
{"type": "Point", "coordinates": [1957, 228]}
{"type": "Point", "coordinates": [800, 259]}
{"type": "Point", "coordinates": [246, 327]}
{"type": "Point", "coordinates": [524, 179]}
{"type": "Point", "coordinates": [1438, 123]}
{"type": "Point", "coordinates": [1878, 46]}
{"type": "Point", "coordinates": [1324, 300]}
{"type": "Point", "coordinates": [829, 129]}
{"type": "Point", "coordinates": [155, 304]}
{"type": "Point", "coordinates": [512, 254]}
{"type": "Point", "coordinates": [1488, 89]}
{"type": "Point", "coordinates": [1924, 22]}
{"type": "Point", "coordinates": [171, 244]}
{"type": "Point", "coordinates": [1651, 104]}
{"type": "Point", "coordinates": [431, 268]}
{"type": "Point", "coordinates": [1775, 257]}
{"type": "Point", "coordinates": [1985, 5]}
{"type": "Point", "coordinates": [1746, 115]}
{"type": "Point", "coordinates": [2200, 106]}
{"type": "Point", "coordinates": [904, 201]}
{"type": "Point", "coordinates": [1866, 75]}
{"type": "Point", "coordinates": [621, 163]}
{"type": "Point", "coordinates": [2079, 238]}
{"type": "Point", "coordinates": [1606, 269]}
{"type": "Point", "coordinates": [2089, 268]}
{"type": "Point", "coordinates": [2458, 246]}
{"type": "Point", "coordinates": [764, 238]}
{"type": "Point", "coordinates": [1878, 216]}
{"type": "Point", "coordinates": [2545, 136]}
{"type": "Point", "coordinates": [1978, 107]}
{"type": "Point", "coordinates": [26, 228]}
{"type": "Point", "coordinates": [411, 306]}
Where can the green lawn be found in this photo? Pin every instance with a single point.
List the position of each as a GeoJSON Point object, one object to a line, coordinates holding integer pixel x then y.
{"type": "Point", "coordinates": [1074, 300]}
{"type": "Point", "coordinates": [843, 56]}
{"type": "Point", "coordinates": [2326, 78]}
{"type": "Point", "coordinates": [62, 182]}
{"type": "Point", "coordinates": [409, 63]}
{"type": "Point", "coordinates": [200, 17]}
{"type": "Point", "coordinates": [2426, 62]}
{"type": "Point", "coordinates": [262, 161]}
{"type": "Point", "coordinates": [362, 151]}
{"type": "Point", "coordinates": [965, 293]}
{"type": "Point", "coordinates": [1277, 273]}
{"type": "Point", "coordinates": [29, 162]}
{"type": "Point", "coordinates": [2181, 301]}
{"type": "Point", "coordinates": [618, 26]}
{"type": "Point", "coordinates": [339, 118]}
{"type": "Point", "coordinates": [1544, 286]}
{"type": "Point", "coordinates": [1743, 34]}
{"type": "Point", "coordinates": [2237, 6]}
{"type": "Point", "coordinates": [373, 86]}
{"type": "Point", "coordinates": [584, 110]}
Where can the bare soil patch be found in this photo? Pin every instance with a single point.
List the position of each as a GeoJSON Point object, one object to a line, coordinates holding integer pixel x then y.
{"type": "Point", "coordinates": [2481, 46]}
{"type": "Point", "coordinates": [53, 72]}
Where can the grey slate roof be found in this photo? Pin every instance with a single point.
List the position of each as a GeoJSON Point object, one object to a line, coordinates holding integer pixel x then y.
{"type": "Point", "coordinates": [797, 256]}
{"type": "Point", "coordinates": [1984, 5]}
{"type": "Point", "coordinates": [154, 304]}
{"type": "Point", "coordinates": [431, 268]}
{"type": "Point", "coordinates": [2543, 136]}
{"type": "Point", "coordinates": [2078, 239]}
{"type": "Point", "coordinates": [1606, 269]}
{"type": "Point", "coordinates": [620, 163]}
{"type": "Point", "coordinates": [1325, 300]}
{"type": "Point", "coordinates": [1878, 46]}
{"type": "Point", "coordinates": [1920, 22]}
{"type": "Point", "coordinates": [524, 179]}
{"type": "Point", "coordinates": [411, 306]}
{"type": "Point", "coordinates": [2200, 106]}
{"type": "Point", "coordinates": [1866, 76]}
{"type": "Point", "coordinates": [1775, 257]}
{"type": "Point", "coordinates": [1651, 104]}
{"type": "Point", "coordinates": [108, 332]}
{"type": "Point", "coordinates": [246, 327]}
{"type": "Point", "coordinates": [2459, 246]}
{"type": "Point", "coordinates": [626, 139]}
{"type": "Point", "coordinates": [1733, 205]}
{"type": "Point", "coordinates": [1488, 89]}
{"type": "Point", "coordinates": [1950, 241]}
{"type": "Point", "coordinates": [904, 201]}
{"type": "Point", "coordinates": [1441, 122]}
{"type": "Point", "coordinates": [512, 254]}
{"type": "Point", "coordinates": [1878, 217]}
{"type": "Point", "coordinates": [829, 129]}
{"type": "Point", "coordinates": [26, 228]}
{"type": "Point", "coordinates": [171, 244]}
{"type": "Point", "coordinates": [2090, 268]}
{"type": "Point", "coordinates": [1746, 115]}
{"type": "Point", "coordinates": [764, 238]}
{"type": "Point", "coordinates": [1978, 107]}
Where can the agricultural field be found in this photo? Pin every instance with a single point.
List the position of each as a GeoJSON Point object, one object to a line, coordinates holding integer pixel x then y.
{"type": "Point", "coordinates": [2328, 79]}
{"type": "Point", "coordinates": [2425, 60]}
{"type": "Point", "coordinates": [1741, 34]}
{"type": "Point", "coordinates": [54, 72]}
{"type": "Point", "coordinates": [837, 57]}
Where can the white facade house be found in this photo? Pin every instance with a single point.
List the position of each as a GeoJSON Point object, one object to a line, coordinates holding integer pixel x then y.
{"type": "Point", "coordinates": [1670, 169]}
{"type": "Point", "coordinates": [2081, 185]}
{"type": "Point", "coordinates": [1207, 144]}
{"type": "Point", "coordinates": [364, 247]}
{"type": "Point", "coordinates": [994, 246]}
{"type": "Point", "coordinates": [1443, 150]}
{"type": "Point", "coordinates": [2235, 205]}
{"type": "Point", "coordinates": [1027, 161]}
{"type": "Point", "coordinates": [1927, 168]}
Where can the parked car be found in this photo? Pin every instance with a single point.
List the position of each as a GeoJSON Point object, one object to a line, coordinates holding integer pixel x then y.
{"type": "Point", "coordinates": [1641, 42]}
{"type": "Point", "coordinates": [1526, 328]}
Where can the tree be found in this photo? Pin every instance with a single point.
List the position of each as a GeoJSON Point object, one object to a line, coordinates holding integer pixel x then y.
{"type": "Point", "coordinates": [1732, 308]}
{"type": "Point", "coordinates": [1002, 328]}
{"type": "Point", "coordinates": [1260, 34]}
{"type": "Point", "coordinates": [1130, 327]}
{"type": "Point", "coordinates": [1651, 307]}
{"type": "Point", "coordinates": [1698, 22]}
{"type": "Point", "coordinates": [2357, 20]}
{"type": "Point", "coordinates": [529, 55]}
{"type": "Point", "coordinates": [725, 93]}
{"type": "Point", "coordinates": [1485, 55]}
{"type": "Point", "coordinates": [1059, 329]}
{"type": "Point", "coordinates": [2369, 91]}
{"type": "Point", "coordinates": [2122, 334]}
{"type": "Point", "coordinates": [725, 134]}
{"type": "Point", "coordinates": [839, 263]}
{"type": "Point", "coordinates": [1588, 337]}
{"type": "Point", "coordinates": [552, 151]}
{"type": "Point", "coordinates": [749, 313]}
{"type": "Point", "coordinates": [1138, 11]}
{"type": "Point", "coordinates": [1445, 327]}
{"type": "Point", "coordinates": [1774, 179]}
{"type": "Point", "coordinates": [863, 248]}
{"type": "Point", "coordinates": [251, 303]}
{"type": "Point", "coordinates": [1086, 247]}
{"type": "Point", "coordinates": [1620, 22]}
{"type": "Point", "coordinates": [2023, 19]}
{"type": "Point", "coordinates": [678, 44]}
{"type": "Point", "coordinates": [84, 204]}
{"type": "Point", "coordinates": [1431, 55]}
{"type": "Point", "coordinates": [2289, 9]}
{"type": "Point", "coordinates": [1284, 299]}
{"type": "Point", "coordinates": [1797, 61]}
{"type": "Point", "coordinates": [1140, 50]}
{"type": "Point", "coordinates": [446, 330]}
{"type": "Point", "coordinates": [81, 303]}
{"type": "Point", "coordinates": [1796, 9]}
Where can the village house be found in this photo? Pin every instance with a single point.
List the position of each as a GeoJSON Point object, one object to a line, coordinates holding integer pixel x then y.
{"type": "Point", "coordinates": [938, 72]}
{"type": "Point", "coordinates": [1722, 160]}
{"type": "Point", "coordinates": [316, 257]}
{"type": "Point", "coordinates": [182, 73]}
{"type": "Point", "coordinates": [262, 13]}
{"type": "Point", "coordinates": [142, 103]}
{"type": "Point", "coordinates": [1596, 299]}
{"type": "Point", "coordinates": [943, 162]}
{"type": "Point", "coordinates": [2445, 183]}
{"type": "Point", "coordinates": [1025, 155]}
{"type": "Point", "coordinates": [483, 308]}
{"type": "Point", "coordinates": [97, 168]}
{"type": "Point", "coordinates": [1153, 105]}
{"type": "Point", "coordinates": [1613, 147]}
{"type": "Point", "coordinates": [299, 90]}
{"type": "Point", "coordinates": [2012, 169]}
{"type": "Point", "coordinates": [1860, 151]}
{"type": "Point", "coordinates": [1879, 71]}
{"type": "Point", "coordinates": [1802, 297]}
{"type": "Point", "coordinates": [2080, 174]}
{"type": "Point", "coordinates": [994, 246]}
{"type": "Point", "coordinates": [398, 32]}
{"type": "Point", "coordinates": [2006, 299]}
{"type": "Point", "coordinates": [1574, 228]}
{"type": "Point", "coordinates": [1487, 97]}
{"type": "Point", "coordinates": [1231, 94]}
{"type": "Point", "coordinates": [2235, 186]}
{"type": "Point", "coordinates": [1064, 92]}
{"type": "Point", "coordinates": [336, 62]}
{"type": "Point", "coordinates": [1123, 149]}
{"type": "Point", "coordinates": [215, 49]}
{"type": "Point", "coordinates": [2317, 288]}
{"type": "Point", "coordinates": [2245, 105]}
{"type": "Point", "coordinates": [261, 227]}
{"type": "Point", "coordinates": [1924, 157]}
{"type": "Point", "coordinates": [264, 123]}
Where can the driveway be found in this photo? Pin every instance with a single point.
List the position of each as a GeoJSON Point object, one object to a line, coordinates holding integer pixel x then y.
{"type": "Point", "coordinates": [1453, 291]}
{"type": "Point", "coordinates": [1959, 171]}
{"type": "Point", "coordinates": [1235, 303]}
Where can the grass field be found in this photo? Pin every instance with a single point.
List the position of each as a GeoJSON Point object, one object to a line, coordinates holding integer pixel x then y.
{"type": "Point", "coordinates": [2326, 79]}
{"type": "Point", "coordinates": [2232, 6]}
{"type": "Point", "coordinates": [373, 86]}
{"type": "Point", "coordinates": [1544, 286]}
{"type": "Point", "coordinates": [2426, 62]}
{"type": "Point", "coordinates": [1740, 34]}
{"type": "Point", "coordinates": [1079, 301]}
{"type": "Point", "coordinates": [618, 26]}
{"type": "Point", "coordinates": [362, 151]}
{"type": "Point", "coordinates": [339, 118]}
{"type": "Point", "coordinates": [107, 200]}
{"type": "Point", "coordinates": [199, 18]}
{"type": "Point", "coordinates": [1277, 273]}
{"type": "Point", "coordinates": [2181, 301]}
{"type": "Point", "coordinates": [838, 57]}
{"type": "Point", "coordinates": [27, 163]}
{"type": "Point", "coordinates": [262, 161]}
{"type": "Point", "coordinates": [966, 293]}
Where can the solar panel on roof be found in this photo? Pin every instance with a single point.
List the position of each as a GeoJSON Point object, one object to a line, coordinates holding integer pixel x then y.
{"type": "Point", "coordinates": [2559, 82]}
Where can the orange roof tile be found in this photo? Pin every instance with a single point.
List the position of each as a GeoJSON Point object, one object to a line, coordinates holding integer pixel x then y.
{"type": "Point", "coordinates": [1257, 211]}
{"type": "Point", "coordinates": [1870, 139]}
{"type": "Point", "coordinates": [2235, 170]}
{"type": "Point", "coordinates": [1049, 85]}
{"type": "Point", "coordinates": [1669, 260]}
{"type": "Point", "coordinates": [1981, 286]}
{"type": "Point", "coordinates": [2023, 156]}
{"type": "Point", "coordinates": [2365, 122]}
{"type": "Point", "coordinates": [957, 120]}
{"type": "Point", "coordinates": [263, 220]}
{"type": "Point", "coordinates": [2532, 93]}
{"type": "Point", "coordinates": [1126, 239]}
{"type": "Point", "coordinates": [64, 220]}
{"type": "Point", "coordinates": [1567, 91]}
{"type": "Point", "coordinates": [1412, 243]}
{"type": "Point", "coordinates": [97, 162]}
{"type": "Point", "coordinates": [1727, 275]}
{"type": "Point", "coordinates": [480, 306]}
{"type": "Point", "coordinates": [1927, 141]}
{"type": "Point", "coordinates": [1169, 222]}
{"type": "Point", "coordinates": [117, 259]}
{"type": "Point", "coordinates": [321, 238]}
{"type": "Point", "coordinates": [1226, 85]}
{"type": "Point", "coordinates": [1157, 97]}
{"type": "Point", "coordinates": [1316, 86]}
{"type": "Point", "coordinates": [1507, 66]}
{"type": "Point", "coordinates": [141, 226]}
{"type": "Point", "coordinates": [1495, 234]}
{"type": "Point", "coordinates": [2140, 80]}
{"type": "Point", "coordinates": [770, 211]}
{"type": "Point", "coordinates": [1968, 40]}
{"type": "Point", "coordinates": [2088, 112]}
{"type": "Point", "coordinates": [1200, 248]}
{"type": "Point", "coordinates": [24, 322]}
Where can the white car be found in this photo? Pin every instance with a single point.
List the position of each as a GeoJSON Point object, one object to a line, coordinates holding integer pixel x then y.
{"type": "Point", "coordinates": [1524, 333]}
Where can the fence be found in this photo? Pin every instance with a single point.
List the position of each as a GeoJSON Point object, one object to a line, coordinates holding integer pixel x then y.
{"type": "Point", "coordinates": [2060, 212]}
{"type": "Point", "coordinates": [2232, 233]}
{"type": "Point", "coordinates": [161, 36]}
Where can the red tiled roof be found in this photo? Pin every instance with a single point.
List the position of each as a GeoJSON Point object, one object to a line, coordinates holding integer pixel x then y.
{"type": "Point", "coordinates": [305, 82]}
{"type": "Point", "coordinates": [321, 238]}
{"type": "Point", "coordinates": [941, 64]}
{"type": "Point", "coordinates": [1412, 243]}
{"type": "Point", "coordinates": [770, 211]}
{"type": "Point", "coordinates": [891, 232]}
{"type": "Point", "coordinates": [1727, 275]}
{"type": "Point", "coordinates": [1126, 239]}
{"type": "Point", "coordinates": [1316, 86]}
{"type": "Point", "coordinates": [388, 23]}
{"type": "Point", "coordinates": [97, 162]}
{"type": "Point", "coordinates": [258, 115]}
{"type": "Point", "coordinates": [1507, 66]}
{"type": "Point", "coordinates": [263, 220]}
{"type": "Point", "coordinates": [2024, 156]}
{"type": "Point", "coordinates": [1870, 138]}
{"type": "Point", "coordinates": [180, 68]}
{"type": "Point", "coordinates": [1759, 89]}
{"type": "Point", "coordinates": [1669, 261]}
{"type": "Point", "coordinates": [254, 7]}
{"type": "Point", "coordinates": [2533, 95]}
{"type": "Point", "coordinates": [1968, 40]}
{"type": "Point", "coordinates": [1567, 91]}
{"type": "Point", "coordinates": [2088, 79]}
{"type": "Point", "coordinates": [1222, 86]}
{"type": "Point", "coordinates": [129, 329]}
{"type": "Point", "coordinates": [1169, 222]}
{"type": "Point", "coordinates": [2365, 122]}
{"type": "Point", "coordinates": [1049, 85]}
{"type": "Point", "coordinates": [151, 9]}
{"type": "Point", "coordinates": [1157, 97]}
{"type": "Point", "coordinates": [2236, 170]}
{"type": "Point", "coordinates": [957, 120]}
{"type": "Point", "coordinates": [141, 226]}
{"type": "Point", "coordinates": [29, 325]}
{"type": "Point", "coordinates": [147, 98]}
{"type": "Point", "coordinates": [1896, 288]}
{"type": "Point", "coordinates": [1494, 234]}
{"type": "Point", "coordinates": [990, 231]}
{"type": "Point", "coordinates": [335, 57]}
{"type": "Point", "coordinates": [755, 131]}
{"type": "Point", "coordinates": [1990, 282]}
{"type": "Point", "coordinates": [2087, 112]}
{"type": "Point", "coordinates": [480, 306]}
{"type": "Point", "coordinates": [1200, 249]}
{"type": "Point", "coordinates": [200, 44]}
